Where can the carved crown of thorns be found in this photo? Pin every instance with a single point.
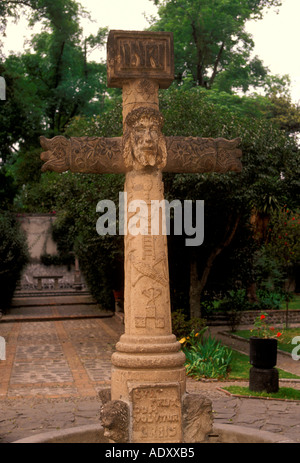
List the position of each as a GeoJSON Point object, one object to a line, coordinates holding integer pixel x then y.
{"type": "Point", "coordinates": [137, 114]}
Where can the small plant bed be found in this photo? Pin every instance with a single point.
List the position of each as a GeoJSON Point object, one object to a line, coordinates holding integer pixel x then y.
{"type": "Point", "coordinates": [207, 358]}
{"type": "Point", "coordinates": [240, 366]}
{"type": "Point", "coordinates": [284, 393]}
{"type": "Point", "coordinates": [285, 345]}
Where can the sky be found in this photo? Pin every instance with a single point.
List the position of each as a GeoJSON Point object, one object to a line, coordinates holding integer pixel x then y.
{"type": "Point", "coordinates": [276, 36]}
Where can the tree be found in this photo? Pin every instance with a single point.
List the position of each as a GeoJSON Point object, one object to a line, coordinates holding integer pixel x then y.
{"type": "Point", "coordinates": [211, 42]}
{"type": "Point", "coordinates": [13, 257]}
{"type": "Point", "coordinates": [270, 162]}
{"type": "Point", "coordinates": [49, 84]}
{"type": "Point", "coordinates": [225, 260]}
{"type": "Point", "coordinates": [283, 245]}
{"type": "Point", "coordinates": [35, 9]}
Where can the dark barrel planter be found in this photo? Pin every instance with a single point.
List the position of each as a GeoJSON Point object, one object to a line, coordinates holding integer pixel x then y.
{"type": "Point", "coordinates": [263, 352]}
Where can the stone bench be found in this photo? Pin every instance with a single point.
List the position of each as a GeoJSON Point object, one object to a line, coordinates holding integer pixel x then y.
{"type": "Point", "coordinates": [39, 279]}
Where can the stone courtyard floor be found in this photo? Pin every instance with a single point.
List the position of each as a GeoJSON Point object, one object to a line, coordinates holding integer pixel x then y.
{"type": "Point", "coordinates": [58, 358]}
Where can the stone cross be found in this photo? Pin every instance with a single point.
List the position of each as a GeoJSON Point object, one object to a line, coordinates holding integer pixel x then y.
{"type": "Point", "coordinates": [148, 373]}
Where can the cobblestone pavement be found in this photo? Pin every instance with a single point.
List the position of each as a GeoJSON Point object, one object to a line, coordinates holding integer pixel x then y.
{"type": "Point", "coordinates": [55, 367]}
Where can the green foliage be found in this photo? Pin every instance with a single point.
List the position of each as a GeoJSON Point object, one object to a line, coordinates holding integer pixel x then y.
{"type": "Point", "coordinates": [283, 246]}
{"type": "Point", "coordinates": [269, 276]}
{"type": "Point", "coordinates": [235, 301]}
{"type": "Point", "coordinates": [269, 160]}
{"type": "Point", "coordinates": [8, 189]}
{"type": "Point", "coordinates": [284, 239]}
{"type": "Point", "coordinates": [284, 393]}
{"type": "Point", "coordinates": [13, 257]}
{"type": "Point", "coordinates": [268, 156]}
{"type": "Point", "coordinates": [181, 326]}
{"type": "Point", "coordinates": [233, 305]}
{"type": "Point", "coordinates": [240, 366]}
{"type": "Point", "coordinates": [269, 300]}
{"type": "Point", "coordinates": [206, 357]}
{"type": "Point", "coordinates": [211, 42]}
{"type": "Point", "coordinates": [48, 260]}
{"type": "Point", "coordinates": [51, 82]}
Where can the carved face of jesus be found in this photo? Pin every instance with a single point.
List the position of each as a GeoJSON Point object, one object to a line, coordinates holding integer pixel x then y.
{"type": "Point", "coordinates": [145, 138]}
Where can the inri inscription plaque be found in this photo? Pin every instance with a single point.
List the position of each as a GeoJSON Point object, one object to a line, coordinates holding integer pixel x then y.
{"type": "Point", "coordinates": [157, 413]}
{"type": "Point", "coordinates": [135, 55]}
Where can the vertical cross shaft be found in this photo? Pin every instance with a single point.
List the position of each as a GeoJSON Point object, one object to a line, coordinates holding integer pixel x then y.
{"type": "Point", "coordinates": [148, 365]}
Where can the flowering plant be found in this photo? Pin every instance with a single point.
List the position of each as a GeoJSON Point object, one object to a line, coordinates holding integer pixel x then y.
{"type": "Point", "coordinates": [263, 330]}
{"type": "Point", "coordinates": [193, 339]}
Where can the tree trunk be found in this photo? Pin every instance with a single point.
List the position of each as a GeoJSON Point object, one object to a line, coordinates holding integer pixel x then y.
{"type": "Point", "coordinates": [197, 285]}
{"type": "Point", "coordinates": [195, 291]}
{"type": "Point", "coordinates": [213, 76]}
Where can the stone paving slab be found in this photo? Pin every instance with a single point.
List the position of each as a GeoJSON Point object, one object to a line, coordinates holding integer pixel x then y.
{"type": "Point", "coordinates": [54, 370]}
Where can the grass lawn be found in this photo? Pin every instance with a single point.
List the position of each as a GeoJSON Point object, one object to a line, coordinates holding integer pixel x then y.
{"type": "Point", "coordinates": [240, 367]}
{"type": "Point", "coordinates": [294, 304]}
{"type": "Point", "coordinates": [284, 345]}
{"type": "Point", "coordinates": [283, 393]}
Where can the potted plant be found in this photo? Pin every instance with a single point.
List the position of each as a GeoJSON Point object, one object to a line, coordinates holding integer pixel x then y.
{"type": "Point", "coordinates": [263, 343]}
{"type": "Point", "coordinates": [263, 356]}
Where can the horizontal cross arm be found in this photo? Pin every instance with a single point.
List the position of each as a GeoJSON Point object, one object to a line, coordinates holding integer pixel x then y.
{"type": "Point", "coordinates": [104, 155]}
{"type": "Point", "coordinates": [96, 155]}
{"type": "Point", "coordinates": [196, 155]}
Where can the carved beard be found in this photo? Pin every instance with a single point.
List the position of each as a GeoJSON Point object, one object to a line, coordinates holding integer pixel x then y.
{"type": "Point", "coordinates": [148, 158]}
{"type": "Point", "coordinates": [144, 156]}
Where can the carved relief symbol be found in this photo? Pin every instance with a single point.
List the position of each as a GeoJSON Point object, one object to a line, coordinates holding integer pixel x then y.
{"type": "Point", "coordinates": [152, 294]}
{"type": "Point", "coordinates": [146, 270]}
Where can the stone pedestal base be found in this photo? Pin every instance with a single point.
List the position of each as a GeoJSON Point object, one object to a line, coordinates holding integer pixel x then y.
{"type": "Point", "coordinates": [156, 415]}
{"type": "Point", "coordinates": [148, 391]}
{"type": "Point", "coordinates": [264, 380]}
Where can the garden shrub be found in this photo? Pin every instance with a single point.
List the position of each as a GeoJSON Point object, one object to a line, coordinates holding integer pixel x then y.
{"type": "Point", "coordinates": [269, 300]}
{"type": "Point", "coordinates": [206, 357]}
{"type": "Point", "coordinates": [181, 326]}
{"type": "Point", "coordinates": [13, 257]}
{"type": "Point", "coordinates": [233, 304]}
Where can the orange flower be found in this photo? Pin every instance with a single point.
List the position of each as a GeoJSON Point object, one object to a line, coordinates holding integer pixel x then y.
{"type": "Point", "coordinates": [278, 334]}
{"type": "Point", "coordinates": [262, 317]}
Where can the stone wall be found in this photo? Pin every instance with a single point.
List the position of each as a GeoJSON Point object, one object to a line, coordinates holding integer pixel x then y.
{"type": "Point", "coordinates": [37, 228]}
{"type": "Point", "coordinates": [275, 317]}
